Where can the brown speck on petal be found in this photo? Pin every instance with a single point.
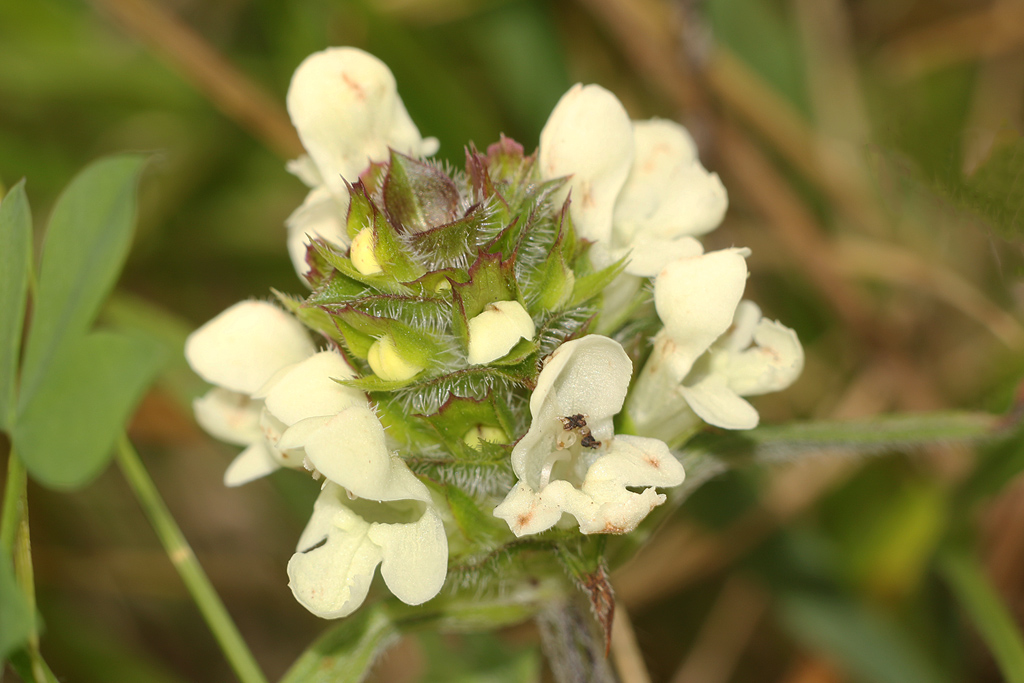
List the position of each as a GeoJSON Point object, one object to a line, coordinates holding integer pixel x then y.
{"type": "Point", "coordinates": [354, 86]}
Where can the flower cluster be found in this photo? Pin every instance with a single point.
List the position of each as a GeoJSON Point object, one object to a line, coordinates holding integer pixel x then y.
{"type": "Point", "coordinates": [461, 398]}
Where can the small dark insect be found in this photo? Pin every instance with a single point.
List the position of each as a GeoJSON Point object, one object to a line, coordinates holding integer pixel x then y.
{"type": "Point", "coordinates": [588, 441]}
{"type": "Point", "coordinates": [576, 421]}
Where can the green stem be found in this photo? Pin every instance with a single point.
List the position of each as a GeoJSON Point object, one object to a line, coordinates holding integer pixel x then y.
{"type": "Point", "coordinates": [14, 532]}
{"type": "Point", "coordinates": [11, 514]}
{"type": "Point", "coordinates": [184, 560]}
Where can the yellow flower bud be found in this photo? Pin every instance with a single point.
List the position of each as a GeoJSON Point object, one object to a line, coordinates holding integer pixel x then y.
{"type": "Point", "coordinates": [361, 252]}
{"type": "Point", "coordinates": [484, 433]}
{"type": "Point", "coordinates": [386, 362]}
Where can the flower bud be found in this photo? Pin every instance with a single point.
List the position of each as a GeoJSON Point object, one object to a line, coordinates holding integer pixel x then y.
{"type": "Point", "coordinates": [488, 433]}
{"type": "Point", "coordinates": [387, 363]}
{"type": "Point", "coordinates": [493, 333]}
{"type": "Point", "coordinates": [361, 253]}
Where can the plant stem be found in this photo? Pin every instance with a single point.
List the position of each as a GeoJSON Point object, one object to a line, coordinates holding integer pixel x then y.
{"type": "Point", "coordinates": [14, 534]}
{"type": "Point", "coordinates": [9, 518]}
{"type": "Point", "coordinates": [184, 560]}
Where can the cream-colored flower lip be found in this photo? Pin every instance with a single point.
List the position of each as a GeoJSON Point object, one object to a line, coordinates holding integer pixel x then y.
{"type": "Point", "coordinates": [338, 553]}
{"type": "Point", "coordinates": [269, 378]}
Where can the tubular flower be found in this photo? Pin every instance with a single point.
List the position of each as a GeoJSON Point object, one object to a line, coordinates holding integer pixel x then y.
{"type": "Point", "coordinates": [372, 510]}
{"type": "Point", "coordinates": [345, 106]}
{"type": "Point", "coordinates": [637, 187]}
{"type": "Point", "coordinates": [713, 350]}
{"type": "Point", "coordinates": [571, 461]}
{"type": "Point", "coordinates": [268, 377]}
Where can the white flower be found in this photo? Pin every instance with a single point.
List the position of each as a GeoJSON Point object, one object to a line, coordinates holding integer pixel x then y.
{"type": "Point", "coordinates": [713, 350]}
{"type": "Point", "coordinates": [345, 106]}
{"type": "Point", "coordinates": [497, 329]}
{"type": "Point", "coordinates": [637, 187]}
{"type": "Point", "coordinates": [571, 461]}
{"type": "Point", "coordinates": [269, 377]}
{"type": "Point", "coordinates": [373, 510]}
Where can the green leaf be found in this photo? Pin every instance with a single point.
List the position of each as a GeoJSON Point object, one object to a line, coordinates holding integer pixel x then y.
{"type": "Point", "coordinates": [15, 270]}
{"type": "Point", "coordinates": [869, 436]}
{"type": "Point", "coordinates": [347, 651]}
{"type": "Point", "coordinates": [867, 644]}
{"type": "Point", "coordinates": [16, 617]}
{"type": "Point", "coordinates": [66, 433]}
{"type": "Point", "coordinates": [993, 620]}
{"type": "Point", "coordinates": [87, 242]}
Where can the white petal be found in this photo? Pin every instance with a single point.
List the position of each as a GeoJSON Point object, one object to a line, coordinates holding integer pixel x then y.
{"type": "Point", "coordinates": [590, 138]}
{"type": "Point", "coordinates": [322, 215]}
{"type": "Point", "coordinates": [589, 375]}
{"type": "Point", "coordinates": [526, 512]}
{"type": "Point", "coordinates": [744, 322]}
{"type": "Point", "coordinates": [772, 364]}
{"type": "Point", "coordinates": [245, 345]}
{"type": "Point", "coordinates": [254, 462]}
{"type": "Point", "coordinates": [309, 389]}
{"type": "Point", "coordinates": [668, 194]}
{"type": "Point", "coordinates": [305, 170]}
{"type": "Point", "coordinates": [346, 109]}
{"type": "Point", "coordinates": [650, 255]}
{"type": "Point", "coordinates": [350, 450]}
{"type": "Point", "coordinates": [331, 571]}
{"type": "Point", "coordinates": [630, 461]}
{"type": "Point", "coordinates": [229, 416]}
{"type": "Point", "coordinates": [494, 332]}
{"type": "Point", "coordinates": [718, 405]}
{"type": "Point", "coordinates": [634, 461]}
{"type": "Point", "coordinates": [415, 557]}
{"type": "Point", "coordinates": [696, 299]}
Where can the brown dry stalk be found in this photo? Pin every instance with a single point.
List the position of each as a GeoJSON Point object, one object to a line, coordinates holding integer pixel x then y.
{"type": "Point", "coordinates": [626, 654]}
{"type": "Point", "coordinates": [725, 633]}
{"type": "Point", "coordinates": [981, 34]}
{"type": "Point", "coordinates": [228, 89]}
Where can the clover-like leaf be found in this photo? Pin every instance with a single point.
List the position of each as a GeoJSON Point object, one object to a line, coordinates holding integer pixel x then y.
{"type": "Point", "coordinates": [15, 265]}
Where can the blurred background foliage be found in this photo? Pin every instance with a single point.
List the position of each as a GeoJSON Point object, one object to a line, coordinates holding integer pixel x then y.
{"type": "Point", "coordinates": [873, 157]}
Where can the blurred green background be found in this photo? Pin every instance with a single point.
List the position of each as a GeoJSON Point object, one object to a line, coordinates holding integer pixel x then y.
{"type": "Point", "coordinates": [872, 153]}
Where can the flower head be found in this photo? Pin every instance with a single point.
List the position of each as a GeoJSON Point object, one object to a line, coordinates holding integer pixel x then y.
{"type": "Point", "coordinates": [571, 461]}
{"type": "Point", "coordinates": [637, 187]}
{"type": "Point", "coordinates": [345, 106]}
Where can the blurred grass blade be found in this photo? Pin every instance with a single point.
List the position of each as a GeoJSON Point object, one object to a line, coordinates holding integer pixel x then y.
{"type": "Point", "coordinates": [868, 646]}
{"type": "Point", "coordinates": [347, 651]}
{"type": "Point", "coordinates": [66, 433]}
{"type": "Point", "coordinates": [15, 270]}
{"type": "Point", "coordinates": [983, 604]}
{"type": "Point", "coordinates": [870, 436]}
{"type": "Point", "coordinates": [87, 241]}
{"type": "Point", "coordinates": [15, 614]}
